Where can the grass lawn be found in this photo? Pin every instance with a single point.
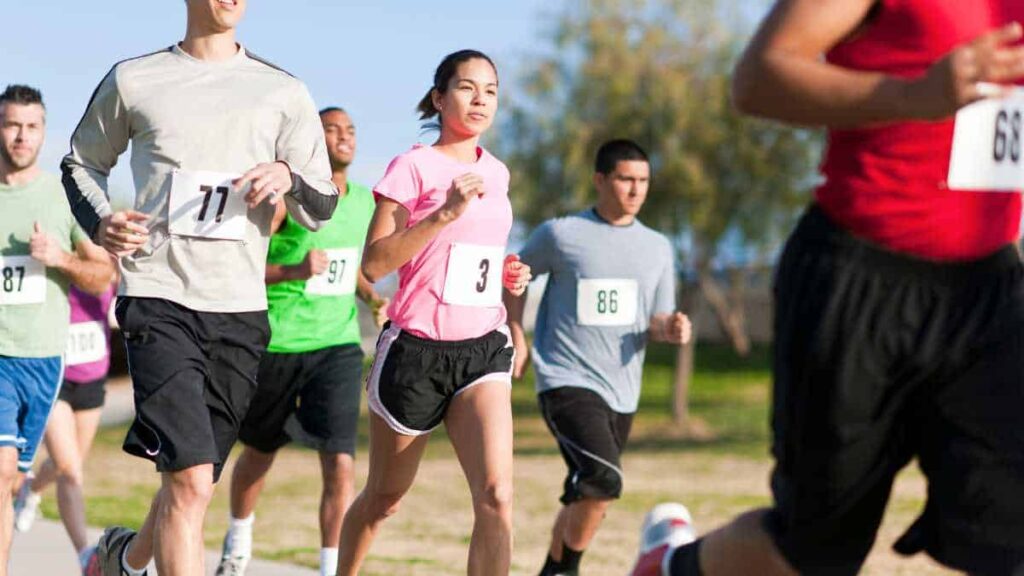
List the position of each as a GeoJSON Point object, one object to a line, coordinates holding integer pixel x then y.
{"type": "Point", "coordinates": [719, 475]}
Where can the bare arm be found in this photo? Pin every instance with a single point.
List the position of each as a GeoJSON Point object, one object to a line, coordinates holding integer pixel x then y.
{"type": "Point", "coordinates": [783, 74]}
{"type": "Point", "coordinates": [90, 267]}
{"type": "Point", "coordinates": [516, 305]}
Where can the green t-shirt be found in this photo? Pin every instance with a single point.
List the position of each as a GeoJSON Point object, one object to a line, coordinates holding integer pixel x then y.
{"type": "Point", "coordinates": [321, 312]}
{"type": "Point", "coordinates": [34, 308]}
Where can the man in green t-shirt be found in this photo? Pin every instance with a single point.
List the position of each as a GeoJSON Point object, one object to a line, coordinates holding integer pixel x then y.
{"type": "Point", "coordinates": [42, 250]}
{"type": "Point", "coordinates": [312, 371]}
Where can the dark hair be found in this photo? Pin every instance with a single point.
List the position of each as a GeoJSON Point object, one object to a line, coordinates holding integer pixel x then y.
{"type": "Point", "coordinates": [614, 151]}
{"type": "Point", "coordinates": [443, 75]}
{"type": "Point", "coordinates": [21, 94]}
{"type": "Point", "coordinates": [330, 109]}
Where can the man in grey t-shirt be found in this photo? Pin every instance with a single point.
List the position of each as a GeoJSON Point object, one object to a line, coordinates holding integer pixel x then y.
{"type": "Point", "coordinates": [611, 288]}
{"type": "Point", "coordinates": [219, 137]}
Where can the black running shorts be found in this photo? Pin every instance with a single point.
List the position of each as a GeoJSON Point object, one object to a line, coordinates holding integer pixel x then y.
{"type": "Point", "coordinates": [193, 375]}
{"type": "Point", "coordinates": [413, 380]}
{"type": "Point", "coordinates": [83, 396]}
{"type": "Point", "coordinates": [320, 389]}
{"type": "Point", "coordinates": [880, 359]}
{"type": "Point", "coordinates": [591, 437]}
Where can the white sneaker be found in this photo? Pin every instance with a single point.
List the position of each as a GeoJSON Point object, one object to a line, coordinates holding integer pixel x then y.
{"type": "Point", "coordinates": [26, 505]}
{"type": "Point", "coordinates": [232, 562]}
{"type": "Point", "coordinates": [666, 527]}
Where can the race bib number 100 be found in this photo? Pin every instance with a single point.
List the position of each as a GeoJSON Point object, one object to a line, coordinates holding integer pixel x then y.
{"type": "Point", "coordinates": [206, 205]}
{"type": "Point", "coordinates": [988, 150]}
{"type": "Point", "coordinates": [22, 280]}
{"type": "Point", "coordinates": [87, 342]}
{"type": "Point", "coordinates": [340, 277]}
{"type": "Point", "coordinates": [606, 302]}
{"type": "Point", "coordinates": [474, 275]}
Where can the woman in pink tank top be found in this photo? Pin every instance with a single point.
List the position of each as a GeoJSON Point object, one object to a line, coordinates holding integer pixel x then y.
{"type": "Point", "coordinates": [442, 221]}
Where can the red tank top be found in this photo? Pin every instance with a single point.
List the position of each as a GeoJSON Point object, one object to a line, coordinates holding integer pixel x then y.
{"type": "Point", "coordinates": [887, 184]}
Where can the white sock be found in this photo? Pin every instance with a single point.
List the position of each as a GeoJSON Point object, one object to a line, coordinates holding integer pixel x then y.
{"type": "Point", "coordinates": [328, 561]}
{"type": "Point", "coordinates": [240, 536]}
{"type": "Point", "coordinates": [127, 567]}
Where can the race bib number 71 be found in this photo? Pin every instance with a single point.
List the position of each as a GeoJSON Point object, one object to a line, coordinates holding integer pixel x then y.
{"type": "Point", "coordinates": [988, 145]}
{"type": "Point", "coordinates": [205, 205]}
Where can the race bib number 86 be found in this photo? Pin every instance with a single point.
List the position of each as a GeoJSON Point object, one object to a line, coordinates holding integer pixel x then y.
{"type": "Point", "coordinates": [22, 280]}
{"type": "Point", "coordinates": [474, 275]}
{"type": "Point", "coordinates": [606, 302]}
{"type": "Point", "coordinates": [988, 151]}
{"type": "Point", "coordinates": [206, 205]}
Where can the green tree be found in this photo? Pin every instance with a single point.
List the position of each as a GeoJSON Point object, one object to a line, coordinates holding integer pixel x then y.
{"type": "Point", "coordinates": [658, 71]}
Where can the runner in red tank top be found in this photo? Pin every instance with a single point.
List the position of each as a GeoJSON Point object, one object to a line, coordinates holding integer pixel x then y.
{"type": "Point", "coordinates": [899, 312]}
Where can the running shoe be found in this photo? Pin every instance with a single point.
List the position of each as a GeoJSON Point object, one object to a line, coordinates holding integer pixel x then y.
{"type": "Point", "coordinates": [110, 548]}
{"type": "Point", "coordinates": [666, 527]}
{"type": "Point", "coordinates": [231, 562]}
{"type": "Point", "coordinates": [26, 505]}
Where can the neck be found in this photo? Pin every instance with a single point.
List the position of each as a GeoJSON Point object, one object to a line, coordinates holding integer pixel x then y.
{"type": "Point", "coordinates": [209, 45]}
{"type": "Point", "coordinates": [462, 148]}
{"type": "Point", "coordinates": [613, 216]}
{"type": "Point", "coordinates": [340, 179]}
{"type": "Point", "coordinates": [13, 177]}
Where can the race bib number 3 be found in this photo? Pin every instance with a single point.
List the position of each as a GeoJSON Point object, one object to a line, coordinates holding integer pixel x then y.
{"type": "Point", "coordinates": [474, 275]}
{"type": "Point", "coordinates": [22, 280]}
{"type": "Point", "coordinates": [206, 205]}
{"type": "Point", "coordinates": [988, 151]}
{"type": "Point", "coordinates": [87, 342]}
{"type": "Point", "coordinates": [606, 302]}
{"type": "Point", "coordinates": [340, 277]}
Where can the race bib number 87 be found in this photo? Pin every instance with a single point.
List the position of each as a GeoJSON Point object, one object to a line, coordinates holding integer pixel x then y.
{"type": "Point", "coordinates": [206, 205]}
{"type": "Point", "coordinates": [22, 280]}
{"type": "Point", "coordinates": [474, 275]}
{"type": "Point", "coordinates": [606, 302]}
{"type": "Point", "coordinates": [988, 151]}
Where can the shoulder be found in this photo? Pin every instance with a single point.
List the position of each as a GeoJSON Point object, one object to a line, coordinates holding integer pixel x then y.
{"type": "Point", "coordinates": [129, 67]}
{"type": "Point", "coordinates": [413, 159]}
{"type": "Point", "coordinates": [655, 238]}
{"type": "Point", "coordinates": [494, 165]}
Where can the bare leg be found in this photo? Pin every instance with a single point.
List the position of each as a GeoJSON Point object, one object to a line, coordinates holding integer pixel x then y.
{"type": "Point", "coordinates": [743, 547]}
{"type": "Point", "coordinates": [577, 524]}
{"type": "Point", "coordinates": [479, 424]}
{"type": "Point", "coordinates": [338, 472]}
{"type": "Point", "coordinates": [247, 480]}
{"type": "Point", "coordinates": [179, 521]}
{"type": "Point", "coordinates": [394, 460]}
{"type": "Point", "coordinates": [63, 447]}
{"type": "Point", "coordinates": [8, 480]}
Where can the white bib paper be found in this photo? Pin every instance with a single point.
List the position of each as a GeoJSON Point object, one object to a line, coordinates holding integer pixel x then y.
{"type": "Point", "coordinates": [205, 205]}
{"type": "Point", "coordinates": [988, 145]}
{"type": "Point", "coordinates": [474, 275]}
{"type": "Point", "coordinates": [340, 277]}
{"type": "Point", "coordinates": [87, 342]}
{"type": "Point", "coordinates": [606, 302]}
{"type": "Point", "coordinates": [22, 281]}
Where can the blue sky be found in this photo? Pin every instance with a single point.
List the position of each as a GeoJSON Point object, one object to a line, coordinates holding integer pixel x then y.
{"type": "Point", "coordinates": [374, 57]}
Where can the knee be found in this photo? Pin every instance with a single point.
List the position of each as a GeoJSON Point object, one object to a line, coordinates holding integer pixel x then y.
{"type": "Point", "coordinates": [382, 504]}
{"type": "Point", "coordinates": [338, 476]}
{"type": "Point", "coordinates": [192, 488]}
{"type": "Point", "coordinates": [604, 484]}
{"type": "Point", "coordinates": [70, 475]}
{"type": "Point", "coordinates": [495, 498]}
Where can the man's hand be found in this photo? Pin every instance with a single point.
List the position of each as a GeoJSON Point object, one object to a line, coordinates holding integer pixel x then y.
{"type": "Point", "coordinates": [314, 263]}
{"type": "Point", "coordinates": [979, 69]}
{"type": "Point", "coordinates": [515, 275]}
{"type": "Point", "coordinates": [675, 329]}
{"type": "Point", "coordinates": [45, 249]}
{"type": "Point", "coordinates": [379, 308]}
{"type": "Point", "coordinates": [122, 233]}
{"type": "Point", "coordinates": [270, 180]}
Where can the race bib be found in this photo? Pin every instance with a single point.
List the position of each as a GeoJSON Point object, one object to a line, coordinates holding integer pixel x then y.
{"type": "Point", "coordinates": [606, 302]}
{"type": "Point", "coordinates": [22, 281]}
{"type": "Point", "coordinates": [87, 342]}
{"type": "Point", "coordinates": [340, 277]}
{"type": "Point", "coordinates": [206, 205]}
{"type": "Point", "coordinates": [474, 275]}
{"type": "Point", "coordinates": [988, 151]}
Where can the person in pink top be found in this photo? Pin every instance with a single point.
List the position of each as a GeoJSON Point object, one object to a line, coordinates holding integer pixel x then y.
{"type": "Point", "coordinates": [442, 220]}
{"type": "Point", "coordinates": [74, 419]}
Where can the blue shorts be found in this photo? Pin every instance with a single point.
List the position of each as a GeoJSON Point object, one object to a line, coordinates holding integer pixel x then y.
{"type": "Point", "coordinates": [28, 390]}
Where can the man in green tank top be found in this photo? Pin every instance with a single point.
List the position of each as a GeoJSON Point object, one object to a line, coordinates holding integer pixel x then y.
{"type": "Point", "coordinates": [312, 372]}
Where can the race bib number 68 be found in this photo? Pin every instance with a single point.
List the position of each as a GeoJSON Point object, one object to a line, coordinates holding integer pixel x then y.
{"type": "Point", "coordinates": [988, 150]}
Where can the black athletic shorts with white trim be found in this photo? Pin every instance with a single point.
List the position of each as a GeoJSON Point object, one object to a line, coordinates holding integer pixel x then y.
{"type": "Point", "coordinates": [318, 389]}
{"type": "Point", "coordinates": [591, 437]}
{"type": "Point", "coordinates": [882, 358]}
{"type": "Point", "coordinates": [193, 375]}
{"type": "Point", "coordinates": [83, 395]}
{"type": "Point", "coordinates": [413, 380]}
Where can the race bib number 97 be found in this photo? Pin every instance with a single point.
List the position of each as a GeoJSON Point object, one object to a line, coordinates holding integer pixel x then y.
{"type": "Point", "coordinates": [206, 205]}
{"type": "Point", "coordinates": [22, 281]}
{"type": "Point", "coordinates": [474, 275]}
{"type": "Point", "coordinates": [340, 277]}
{"type": "Point", "coordinates": [87, 343]}
{"type": "Point", "coordinates": [606, 302]}
{"type": "Point", "coordinates": [988, 151]}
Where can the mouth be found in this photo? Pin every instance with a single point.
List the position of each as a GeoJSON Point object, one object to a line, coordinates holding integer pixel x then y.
{"type": "Point", "coordinates": [344, 149]}
{"type": "Point", "coordinates": [477, 116]}
{"type": "Point", "coordinates": [229, 4]}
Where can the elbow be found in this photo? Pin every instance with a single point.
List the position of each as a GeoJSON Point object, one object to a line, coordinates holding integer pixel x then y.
{"type": "Point", "coordinates": [743, 92]}
{"type": "Point", "coordinates": [371, 272]}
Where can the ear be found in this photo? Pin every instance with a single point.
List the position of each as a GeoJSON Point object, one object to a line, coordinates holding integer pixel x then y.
{"type": "Point", "coordinates": [599, 181]}
{"type": "Point", "coordinates": [436, 97]}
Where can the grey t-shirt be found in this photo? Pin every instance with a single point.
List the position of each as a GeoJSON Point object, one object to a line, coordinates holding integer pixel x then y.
{"type": "Point", "coordinates": [605, 283]}
{"type": "Point", "coordinates": [185, 120]}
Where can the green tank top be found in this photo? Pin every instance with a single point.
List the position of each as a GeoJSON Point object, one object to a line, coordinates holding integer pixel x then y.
{"type": "Point", "coordinates": [307, 315]}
